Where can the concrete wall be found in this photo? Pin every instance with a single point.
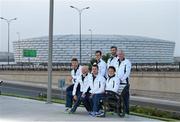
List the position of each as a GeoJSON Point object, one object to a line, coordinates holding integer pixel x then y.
{"type": "Point", "coordinates": [165, 82]}
{"type": "Point", "coordinates": [153, 84]}
{"type": "Point", "coordinates": [156, 84]}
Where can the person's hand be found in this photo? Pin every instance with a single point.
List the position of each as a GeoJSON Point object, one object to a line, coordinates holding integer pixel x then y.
{"type": "Point", "coordinates": [69, 80]}
{"type": "Point", "coordinates": [91, 96]}
{"type": "Point", "coordinates": [75, 97]}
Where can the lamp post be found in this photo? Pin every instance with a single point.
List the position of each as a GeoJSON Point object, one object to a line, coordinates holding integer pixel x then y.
{"type": "Point", "coordinates": [80, 12]}
{"type": "Point", "coordinates": [8, 22]}
{"type": "Point", "coordinates": [18, 34]}
{"type": "Point", "coordinates": [91, 41]}
{"type": "Point", "coordinates": [50, 50]}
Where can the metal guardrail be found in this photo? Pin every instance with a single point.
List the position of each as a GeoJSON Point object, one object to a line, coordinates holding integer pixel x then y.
{"type": "Point", "coordinates": [0, 86]}
{"type": "Point", "coordinates": [34, 67]}
{"type": "Point", "coordinates": [158, 67]}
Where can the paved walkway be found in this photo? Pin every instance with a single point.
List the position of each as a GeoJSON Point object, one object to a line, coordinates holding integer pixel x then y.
{"type": "Point", "coordinates": [18, 109]}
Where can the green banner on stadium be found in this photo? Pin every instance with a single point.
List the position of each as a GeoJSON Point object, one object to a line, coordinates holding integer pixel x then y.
{"type": "Point", "coordinates": [29, 53]}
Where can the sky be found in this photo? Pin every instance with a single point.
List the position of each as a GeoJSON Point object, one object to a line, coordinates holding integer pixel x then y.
{"type": "Point", "coordinates": [151, 18]}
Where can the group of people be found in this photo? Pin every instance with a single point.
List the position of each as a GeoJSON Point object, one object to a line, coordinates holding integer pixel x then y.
{"type": "Point", "coordinates": [88, 87]}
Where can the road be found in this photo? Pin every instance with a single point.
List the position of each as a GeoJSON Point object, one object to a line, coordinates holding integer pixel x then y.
{"type": "Point", "coordinates": [34, 91]}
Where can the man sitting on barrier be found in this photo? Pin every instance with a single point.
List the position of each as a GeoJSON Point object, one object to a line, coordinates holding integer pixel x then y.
{"type": "Point", "coordinates": [81, 96]}
{"type": "Point", "coordinates": [97, 86]}
{"type": "Point", "coordinates": [75, 73]}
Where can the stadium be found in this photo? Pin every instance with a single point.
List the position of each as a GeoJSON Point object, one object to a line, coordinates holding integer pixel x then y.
{"type": "Point", "coordinates": [137, 48]}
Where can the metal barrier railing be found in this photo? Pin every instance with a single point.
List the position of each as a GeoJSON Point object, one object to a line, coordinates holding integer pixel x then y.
{"type": "Point", "coordinates": [0, 86]}
{"type": "Point", "coordinates": [160, 67]}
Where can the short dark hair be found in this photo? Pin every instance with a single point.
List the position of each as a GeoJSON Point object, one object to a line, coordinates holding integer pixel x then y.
{"type": "Point", "coordinates": [74, 59]}
{"type": "Point", "coordinates": [114, 47]}
{"type": "Point", "coordinates": [98, 51]}
{"type": "Point", "coordinates": [112, 67]}
{"type": "Point", "coordinates": [95, 65]}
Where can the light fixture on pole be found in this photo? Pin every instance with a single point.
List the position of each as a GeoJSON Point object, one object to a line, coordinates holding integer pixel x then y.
{"type": "Point", "coordinates": [80, 12]}
{"type": "Point", "coordinates": [8, 22]}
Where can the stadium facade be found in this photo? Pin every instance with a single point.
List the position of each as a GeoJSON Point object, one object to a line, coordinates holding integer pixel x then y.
{"type": "Point", "coordinates": [138, 49]}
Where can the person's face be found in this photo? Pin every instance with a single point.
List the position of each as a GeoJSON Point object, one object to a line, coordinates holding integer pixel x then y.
{"type": "Point", "coordinates": [74, 64]}
{"type": "Point", "coordinates": [111, 72]}
{"type": "Point", "coordinates": [113, 51]}
{"type": "Point", "coordinates": [97, 56]}
{"type": "Point", "coordinates": [121, 55]}
{"type": "Point", "coordinates": [84, 70]}
{"type": "Point", "coordinates": [94, 70]}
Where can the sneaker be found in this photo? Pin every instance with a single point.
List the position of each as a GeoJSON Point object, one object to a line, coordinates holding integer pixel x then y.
{"type": "Point", "coordinates": [100, 114]}
{"type": "Point", "coordinates": [89, 113]}
{"type": "Point", "coordinates": [93, 114]}
{"type": "Point", "coordinates": [71, 112]}
{"type": "Point", "coordinates": [67, 110]}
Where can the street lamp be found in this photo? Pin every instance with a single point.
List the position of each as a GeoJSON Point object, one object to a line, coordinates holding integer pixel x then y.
{"type": "Point", "coordinates": [50, 50]}
{"type": "Point", "coordinates": [8, 22]}
{"type": "Point", "coordinates": [80, 12]}
{"type": "Point", "coordinates": [91, 41]}
{"type": "Point", "coordinates": [18, 34]}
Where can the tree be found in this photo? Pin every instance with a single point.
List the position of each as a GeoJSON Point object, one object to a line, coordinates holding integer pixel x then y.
{"type": "Point", "coordinates": [106, 57]}
{"type": "Point", "coordinates": [93, 60]}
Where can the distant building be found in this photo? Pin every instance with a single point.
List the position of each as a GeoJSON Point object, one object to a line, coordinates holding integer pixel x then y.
{"type": "Point", "coordinates": [4, 57]}
{"type": "Point", "coordinates": [138, 49]}
{"type": "Point", "coordinates": [176, 59]}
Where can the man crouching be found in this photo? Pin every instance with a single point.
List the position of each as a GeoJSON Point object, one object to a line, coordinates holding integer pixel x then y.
{"type": "Point", "coordinates": [79, 97]}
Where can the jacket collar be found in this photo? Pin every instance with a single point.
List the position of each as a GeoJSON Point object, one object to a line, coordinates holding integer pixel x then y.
{"type": "Point", "coordinates": [75, 70]}
{"type": "Point", "coordinates": [111, 76]}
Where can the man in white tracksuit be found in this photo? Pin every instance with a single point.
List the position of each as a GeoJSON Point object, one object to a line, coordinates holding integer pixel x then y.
{"type": "Point", "coordinates": [123, 73]}
{"type": "Point", "coordinates": [75, 73]}
{"type": "Point", "coordinates": [83, 80]}
{"type": "Point", "coordinates": [101, 64]}
{"type": "Point", "coordinates": [97, 86]}
{"type": "Point", "coordinates": [113, 60]}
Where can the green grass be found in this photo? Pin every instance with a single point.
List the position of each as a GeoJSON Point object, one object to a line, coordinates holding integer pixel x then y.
{"type": "Point", "coordinates": [54, 100]}
{"type": "Point", "coordinates": [154, 112]}
{"type": "Point", "coordinates": [153, 117]}
{"type": "Point", "coordinates": [147, 112]}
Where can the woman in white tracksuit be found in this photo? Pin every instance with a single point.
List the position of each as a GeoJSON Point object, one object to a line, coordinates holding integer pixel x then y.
{"type": "Point", "coordinates": [112, 82]}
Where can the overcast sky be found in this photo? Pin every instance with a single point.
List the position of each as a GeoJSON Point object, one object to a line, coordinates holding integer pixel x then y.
{"type": "Point", "coordinates": [152, 18]}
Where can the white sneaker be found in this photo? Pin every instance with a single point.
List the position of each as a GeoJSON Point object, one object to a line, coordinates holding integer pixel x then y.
{"type": "Point", "coordinates": [67, 110]}
{"type": "Point", "coordinates": [100, 114]}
